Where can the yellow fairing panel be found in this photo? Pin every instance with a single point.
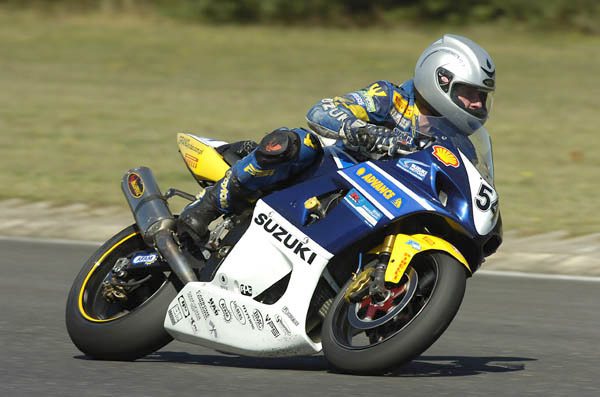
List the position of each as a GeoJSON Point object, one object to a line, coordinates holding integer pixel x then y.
{"type": "Point", "coordinates": [406, 247]}
{"type": "Point", "coordinates": [203, 160]}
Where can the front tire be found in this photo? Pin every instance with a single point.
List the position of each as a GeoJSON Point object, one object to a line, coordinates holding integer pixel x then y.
{"type": "Point", "coordinates": [376, 342]}
{"type": "Point", "coordinates": [121, 330]}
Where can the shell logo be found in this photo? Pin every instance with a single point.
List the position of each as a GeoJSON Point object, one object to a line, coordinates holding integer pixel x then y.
{"type": "Point", "coordinates": [445, 156]}
{"type": "Point", "coordinates": [360, 171]}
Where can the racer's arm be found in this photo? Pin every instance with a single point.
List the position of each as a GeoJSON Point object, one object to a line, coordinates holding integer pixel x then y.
{"type": "Point", "coordinates": [333, 118]}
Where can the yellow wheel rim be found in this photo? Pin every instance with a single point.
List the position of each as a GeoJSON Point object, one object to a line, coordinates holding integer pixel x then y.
{"type": "Point", "coordinates": [89, 275]}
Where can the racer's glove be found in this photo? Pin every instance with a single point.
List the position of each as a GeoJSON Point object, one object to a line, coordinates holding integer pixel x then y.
{"type": "Point", "coordinates": [365, 135]}
{"type": "Point", "coordinates": [374, 138]}
{"type": "Point", "coordinates": [400, 142]}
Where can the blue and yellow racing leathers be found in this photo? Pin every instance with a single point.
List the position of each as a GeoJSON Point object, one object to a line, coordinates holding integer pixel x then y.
{"type": "Point", "coordinates": [280, 155]}
{"type": "Point", "coordinates": [285, 153]}
{"type": "Point", "coordinates": [381, 103]}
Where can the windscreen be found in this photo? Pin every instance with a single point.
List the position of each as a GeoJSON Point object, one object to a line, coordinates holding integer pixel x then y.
{"type": "Point", "coordinates": [477, 147]}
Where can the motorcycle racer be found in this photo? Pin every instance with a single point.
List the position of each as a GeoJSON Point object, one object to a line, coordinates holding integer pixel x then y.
{"type": "Point", "coordinates": [454, 78]}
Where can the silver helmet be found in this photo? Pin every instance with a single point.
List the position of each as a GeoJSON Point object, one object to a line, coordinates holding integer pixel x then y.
{"type": "Point", "coordinates": [451, 69]}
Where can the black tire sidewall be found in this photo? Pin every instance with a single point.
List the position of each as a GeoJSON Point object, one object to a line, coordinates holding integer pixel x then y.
{"type": "Point", "coordinates": [419, 335]}
{"type": "Point", "coordinates": [132, 336]}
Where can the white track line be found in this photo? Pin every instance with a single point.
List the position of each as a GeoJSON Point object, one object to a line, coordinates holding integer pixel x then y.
{"type": "Point", "coordinates": [500, 273]}
{"type": "Point", "coordinates": [43, 240]}
{"type": "Point", "coordinates": [540, 276]}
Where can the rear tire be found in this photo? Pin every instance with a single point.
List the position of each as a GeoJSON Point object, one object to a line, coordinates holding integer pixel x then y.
{"type": "Point", "coordinates": [112, 331]}
{"type": "Point", "coordinates": [417, 330]}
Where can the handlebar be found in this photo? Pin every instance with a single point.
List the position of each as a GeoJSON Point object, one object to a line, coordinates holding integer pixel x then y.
{"type": "Point", "coordinates": [404, 150]}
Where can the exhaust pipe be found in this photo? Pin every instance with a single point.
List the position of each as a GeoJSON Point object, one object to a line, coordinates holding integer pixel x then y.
{"type": "Point", "coordinates": [154, 219]}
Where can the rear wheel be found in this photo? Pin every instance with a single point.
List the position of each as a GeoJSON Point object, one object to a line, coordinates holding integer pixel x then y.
{"type": "Point", "coordinates": [372, 337]}
{"type": "Point", "coordinates": [111, 323]}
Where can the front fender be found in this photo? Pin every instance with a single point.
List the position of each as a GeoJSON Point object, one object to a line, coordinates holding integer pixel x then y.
{"type": "Point", "coordinates": [407, 246]}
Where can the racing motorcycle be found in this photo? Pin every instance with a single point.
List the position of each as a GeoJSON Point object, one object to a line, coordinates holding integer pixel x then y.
{"type": "Point", "coordinates": [366, 261]}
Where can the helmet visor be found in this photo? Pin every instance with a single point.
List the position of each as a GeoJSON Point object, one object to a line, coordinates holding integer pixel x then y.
{"type": "Point", "coordinates": [474, 100]}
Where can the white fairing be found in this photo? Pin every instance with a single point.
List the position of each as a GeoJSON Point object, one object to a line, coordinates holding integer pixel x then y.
{"type": "Point", "coordinates": [222, 314]}
{"type": "Point", "coordinates": [210, 142]}
{"type": "Point", "coordinates": [484, 197]}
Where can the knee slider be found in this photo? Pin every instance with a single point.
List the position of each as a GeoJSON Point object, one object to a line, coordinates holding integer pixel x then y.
{"type": "Point", "coordinates": [277, 147]}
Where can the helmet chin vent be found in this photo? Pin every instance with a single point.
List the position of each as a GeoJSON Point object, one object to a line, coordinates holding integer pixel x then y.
{"type": "Point", "coordinates": [489, 83]}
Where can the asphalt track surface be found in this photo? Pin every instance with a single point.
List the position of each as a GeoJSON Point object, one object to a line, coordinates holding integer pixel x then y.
{"type": "Point", "coordinates": [512, 337]}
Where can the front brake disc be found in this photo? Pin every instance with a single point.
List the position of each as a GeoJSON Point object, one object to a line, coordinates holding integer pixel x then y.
{"type": "Point", "coordinates": [371, 319]}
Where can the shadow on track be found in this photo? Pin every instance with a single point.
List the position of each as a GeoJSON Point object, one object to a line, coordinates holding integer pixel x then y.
{"type": "Point", "coordinates": [304, 363]}
{"type": "Point", "coordinates": [439, 366]}
{"type": "Point", "coordinates": [423, 366]}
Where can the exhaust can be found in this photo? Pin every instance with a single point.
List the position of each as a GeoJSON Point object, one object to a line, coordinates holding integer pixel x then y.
{"type": "Point", "coordinates": [148, 205]}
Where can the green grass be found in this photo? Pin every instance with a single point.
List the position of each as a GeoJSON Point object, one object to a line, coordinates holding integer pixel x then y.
{"type": "Point", "coordinates": [82, 99]}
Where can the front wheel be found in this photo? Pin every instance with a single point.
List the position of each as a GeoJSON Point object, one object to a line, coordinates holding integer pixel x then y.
{"type": "Point", "coordinates": [111, 323]}
{"type": "Point", "coordinates": [369, 337]}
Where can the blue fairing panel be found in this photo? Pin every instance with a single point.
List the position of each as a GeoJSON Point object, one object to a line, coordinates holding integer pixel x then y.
{"type": "Point", "coordinates": [339, 228]}
{"type": "Point", "coordinates": [376, 193]}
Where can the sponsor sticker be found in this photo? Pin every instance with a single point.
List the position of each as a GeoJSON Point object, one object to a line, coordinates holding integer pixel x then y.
{"type": "Point", "coordinates": [362, 207]}
{"type": "Point", "coordinates": [357, 98]}
{"type": "Point", "coordinates": [258, 319]}
{"type": "Point", "coordinates": [135, 185]}
{"type": "Point", "coordinates": [252, 170]}
{"type": "Point", "coordinates": [146, 259]}
{"type": "Point", "coordinates": [375, 90]}
{"type": "Point", "coordinates": [213, 306]}
{"type": "Point", "coordinates": [284, 327]}
{"type": "Point", "coordinates": [175, 314]}
{"type": "Point", "coordinates": [289, 315]}
{"type": "Point", "coordinates": [445, 156]}
{"type": "Point", "coordinates": [193, 306]}
{"type": "Point", "coordinates": [428, 240]}
{"type": "Point", "coordinates": [404, 123]}
{"type": "Point", "coordinates": [193, 325]}
{"type": "Point", "coordinates": [405, 259]}
{"type": "Point", "coordinates": [274, 330]}
{"type": "Point", "coordinates": [415, 168]}
{"type": "Point", "coordinates": [237, 312]}
{"type": "Point", "coordinates": [248, 316]}
{"type": "Point", "coordinates": [246, 289]}
{"type": "Point", "coordinates": [191, 161]}
{"type": "Point", "coordinates": [400, 103]}
{"type": "Point", "coordinates": [184, 307]}
{"type": "Point", "coordinates": [203, 306]}
{"type": "Point", "coordinates": [285, 238]}
{"type": "Point", "coordinates": [212, 329]}
{"type": "Point", "coordinates": [396, 115]}
{"type": "Point", "coordinates": [190, 144]}
{"type": "Point", "coordinates": [381, 187]}
{"type": "Point", "coordinates": [311, 141]}
{"type": "Point", "coordinates": [415, 245]}
{"type": "Point", "coordinates": [225, 310]}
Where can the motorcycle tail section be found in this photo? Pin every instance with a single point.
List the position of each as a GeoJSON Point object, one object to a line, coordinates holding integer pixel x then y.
{"type": "Point", "coordinates": [201, 158]}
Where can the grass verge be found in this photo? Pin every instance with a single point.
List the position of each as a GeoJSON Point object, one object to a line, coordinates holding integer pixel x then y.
{"type": "Point", "coordinates": [82, 99]}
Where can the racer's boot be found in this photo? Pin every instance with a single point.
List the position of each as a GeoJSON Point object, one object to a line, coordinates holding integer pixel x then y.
{"type": "Point", "coordinates": [194, 219]}
{"type": "Point", "coordinates": [224, 197]}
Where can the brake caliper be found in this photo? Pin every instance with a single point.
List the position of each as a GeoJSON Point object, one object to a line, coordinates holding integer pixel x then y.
{"type": "Point", "coordinates": [114, 289]}
{"type": "Point", "coordinates": [359, 286]}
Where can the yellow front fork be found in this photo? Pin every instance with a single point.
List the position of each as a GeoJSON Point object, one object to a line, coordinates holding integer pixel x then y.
{"type": "Point", "coordinates": [403, 247]}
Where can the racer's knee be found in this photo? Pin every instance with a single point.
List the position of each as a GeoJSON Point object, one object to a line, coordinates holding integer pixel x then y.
{"type": "Point", "coordinates": [277, 147]}
{"type": "Point", "coordinates": [284, 145]}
